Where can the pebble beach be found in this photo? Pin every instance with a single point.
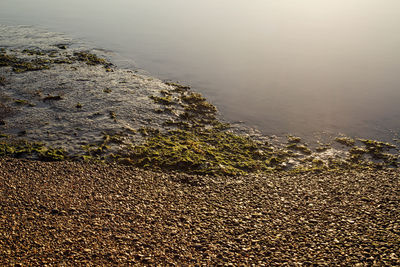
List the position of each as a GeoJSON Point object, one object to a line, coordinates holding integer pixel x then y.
{"type": "Point", "coordinates": [108, 166]}
{"type": "Point", "coordinates": [69, 213]}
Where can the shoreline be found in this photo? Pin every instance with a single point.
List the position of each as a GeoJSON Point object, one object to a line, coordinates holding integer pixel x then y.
{"type": "Point", "coordinates": [60, 102]}
{"type": "Point", "coordinates": [106, 166]}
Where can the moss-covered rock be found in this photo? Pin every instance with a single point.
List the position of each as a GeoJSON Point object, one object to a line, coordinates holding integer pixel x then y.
{"type": "Point", "coordinates": [202, 151]}
{"type": "Point", "coordinates": [20, 148]}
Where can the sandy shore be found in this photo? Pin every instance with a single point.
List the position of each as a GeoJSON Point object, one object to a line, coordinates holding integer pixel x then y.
{"type": "Point", "coordinates": [66, 213]}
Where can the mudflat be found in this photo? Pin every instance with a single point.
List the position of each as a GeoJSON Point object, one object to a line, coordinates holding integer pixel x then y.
{"type": "Point", "coordinates": [73, 213]}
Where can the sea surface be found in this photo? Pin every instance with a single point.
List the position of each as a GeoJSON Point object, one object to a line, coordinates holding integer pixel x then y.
{"type": "Point", "coordinates": [288, 66]}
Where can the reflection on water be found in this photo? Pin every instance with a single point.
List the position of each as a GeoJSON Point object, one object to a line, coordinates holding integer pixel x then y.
{"type": "Point", "coordinates": [283, 66]}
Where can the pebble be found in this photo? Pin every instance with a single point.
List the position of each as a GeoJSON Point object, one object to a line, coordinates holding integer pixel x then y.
{"type": "Point", "coordinates": [107, 215]}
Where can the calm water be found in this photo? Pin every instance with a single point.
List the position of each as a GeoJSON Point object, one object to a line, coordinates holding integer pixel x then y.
{"type": "Point", "coordinates": [284, 66]}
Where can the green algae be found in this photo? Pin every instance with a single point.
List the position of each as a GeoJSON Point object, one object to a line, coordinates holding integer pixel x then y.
{"type": "Point", "coordinates": [91, 59]}
{"type": "Point", "coordinates": [202, 151]}
{"type": "Point", "coordinates": [356, 154]}
{"type": "Point", "coordinates": [114, 139]}
{"type": "Point", "coordinates": [293, 139]}
{"type": "Point", "coordinates": [201, 107]}
{"type": "Point", "coordinates": [167, 100]}
{"type": "Point", "coordinates": [95, 149]}
{"type": "Point", "coordinates": [20, 65]}
{"type": "Point", "coordinates": [165, 92]}
{"type": "Point", "coordinates": [20, 148]}
{"type": "Point", "coordinates": [30, 66]}
{"type": "Point", "coordinates": [299, 147]}
{"type": "Point", "coordinates": [32, 52]}
{"type": "Point", "coordinates": [99, 152]}
{"type": "Point", "coordinates": [347, 141]}
{"type": "Point", "coordinates": [318, 163]}
{"type": "Point", "coordinates": [358, 150]}
{"type": "Point", "coordinates": [322, 147]}
{"type": "Point", "coordinates": [7, 60]}
{"type": "Point", "coordinates": [197, 106]}
{"type": "Point", "coordinates": [193, 109]}
{"type": "Point", "coordinates": [178, 88]}
{"type": "Point", "coordinates": [377, 150]}
{"type": "Point", "coordinates": [374, 154]}
{"type": "Point", "coordinates": [43, 60]}
{"type": "Point", "coordinates": [21, 102]}
{"type": "Point", "coordinates": [62, 61]}
{"type": "Point", "coordinates": [193, 98]}
{"type": "Point", "coordinates": [377, 145]}
{"type": "Point", "coordinates": [294, 143]}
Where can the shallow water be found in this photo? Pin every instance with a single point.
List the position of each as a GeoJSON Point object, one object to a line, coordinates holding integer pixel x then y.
{"type": "Point", "coordinates": [282, 66]}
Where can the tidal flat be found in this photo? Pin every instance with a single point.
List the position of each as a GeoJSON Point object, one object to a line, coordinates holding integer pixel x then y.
{"type": "Point", "coordinates": [62, 101]}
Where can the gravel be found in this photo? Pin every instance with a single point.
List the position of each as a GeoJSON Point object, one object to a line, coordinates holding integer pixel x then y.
{"type": "Point", "coordinates": [71, 213]}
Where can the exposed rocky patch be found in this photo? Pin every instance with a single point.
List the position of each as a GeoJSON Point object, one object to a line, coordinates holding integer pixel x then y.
{"type": "Point", "coordinates": [59, 101]}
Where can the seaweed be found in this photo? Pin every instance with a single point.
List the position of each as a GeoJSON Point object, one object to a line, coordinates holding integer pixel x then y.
{"type": "Point", "coordinates": [96, 150]}
{"type": "Point", "coordinates": [19, 65]}
{"type": "Point", "coordinates": [299, 147]}
{"type": "Point", "coordinates": [44, 59]}
{"type": "Point", "coordinates": [293, 139]}
{"type": "Point", "coordinates": [91, 59]}
{"type": "Point", "coordinates": [21, 102]}
{"type": "Point", "coordinates": [167, 100]}
{"type": "Point", "coordinates": [34, 65]}
{"type": "Point", "coordinates": [7, 60]}
{"type": "Point", "coordinates": [377, 150]}
{"type": "Point", "coordinates": [347, 141]}
{"type": "Point", "coordinates": [21, 148]}
{"type": "Point", "coordinates": [178, 88]}
{"type": "Point", "coordinates": [201, 151]}
{"type": "Point", "coordinates": [32, 52]}
{"type": "Point", "coordinates": [322, 148]}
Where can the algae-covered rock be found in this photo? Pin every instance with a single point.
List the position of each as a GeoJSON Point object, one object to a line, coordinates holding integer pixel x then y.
{"type": "Point", "coordinates": [55, 95]}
